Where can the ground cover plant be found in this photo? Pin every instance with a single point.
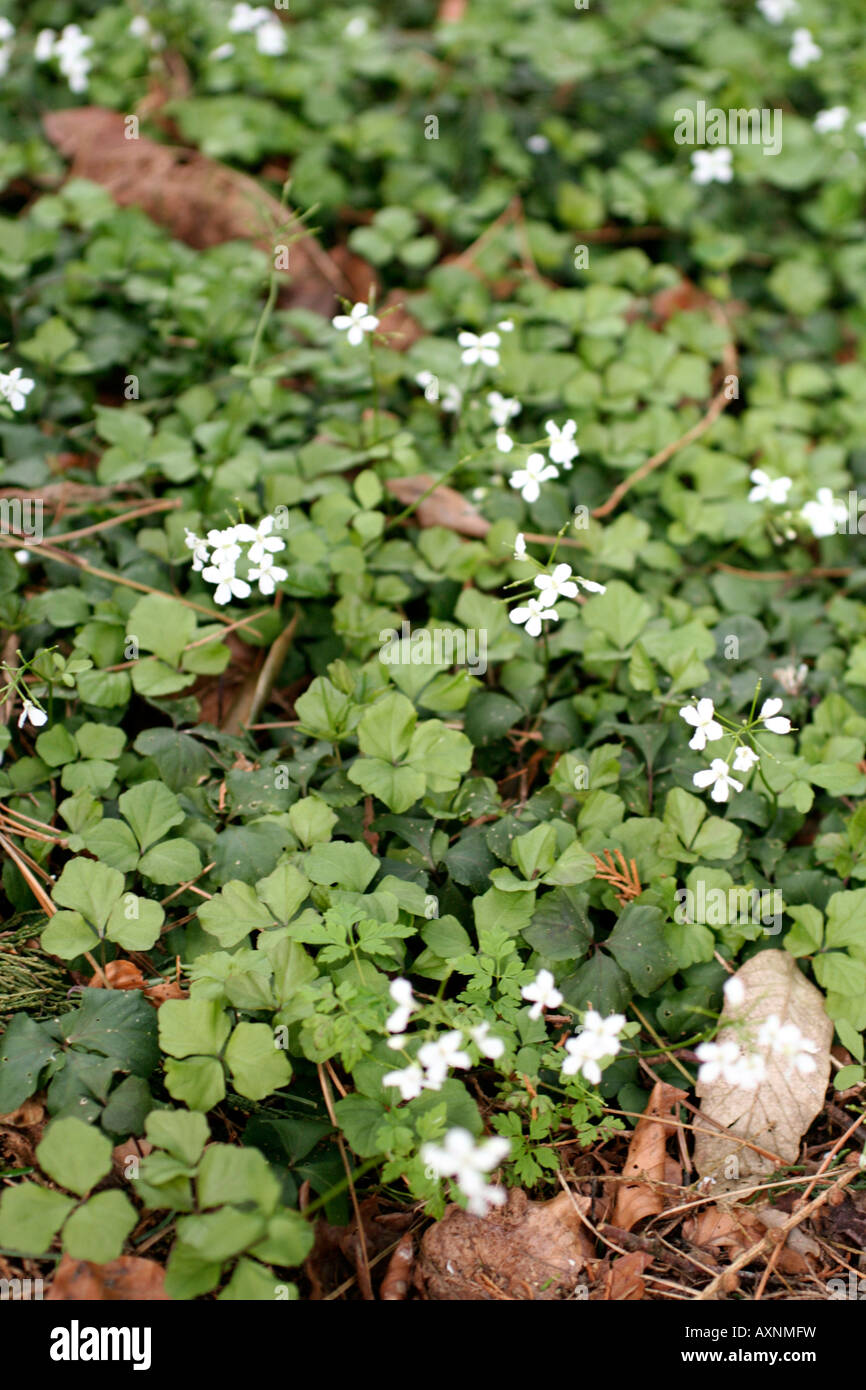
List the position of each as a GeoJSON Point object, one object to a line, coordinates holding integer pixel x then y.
{"type": "Point", "coordinates": [432, 650]}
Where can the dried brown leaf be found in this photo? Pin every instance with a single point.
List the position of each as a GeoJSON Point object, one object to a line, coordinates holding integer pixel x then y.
{"type": "Point", "coordinates": [647, 1159]}
{"type": "Point", "coordinates": [128, 1279]}
{"type": "Point", "coordinates": [444, 506]}
{"type": "Point", "coordinates": [524, 1251]}
{"type": "Point", "coordinates": [624, 1281]}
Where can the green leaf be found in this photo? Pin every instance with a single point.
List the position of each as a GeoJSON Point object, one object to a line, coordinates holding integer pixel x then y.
{"type": "Point", "coordinates": [68, 935]}
{"type": "Point", "coordinates": [232, 913]}
{"type": "Point", "coordinates": [180, 1132]}
{"type": "Point", "coordinates": [118, 1024]}
{"type": "Point", "coordinates": [25, 1048]}
{"type": "Point", "coordinates": [74, 1154]}
{"type": "Point", "coordinates": [98, 1229]}
{"type": "Point", "coordinates": [398, 787]}
{"type": "Point", "coordinates": [360, 1120]}
{"type": "Point", "coordinates": [151, 810]}
{"type": "Point", "coordinates": [180, 758]}
{"type": "Point", "coordinates": [56, 746]}
{"type": "Point", "coordinates": [561, 928]}
{"type": "Point", "coordinates": [288, 1242]}
{"type": "Point", "coordinates": [237, 1175]}
{"type": "Point", "coordinates": [31, 1216]}
{"type": "Point", "coordinates": [89, 888]}
{"type": "Point", "coordinates": [197, 1081]}
{"type": "Point", "coordinates": [163, 626]}
{"type": "Point", "coordinates": [114, 843]}
{"type": "Point", "coordinates": [257, 1065]}
{"type": "Point", "coordinates": [638, 944]}
{"type": "Point", "coordinates": [171, 861]}
{"type": "Point", "coordinates": [386, 728]}
{"type": "Point", "coordinates": [352, 866]}
{"type": "Point", "coordinates": [312, 821]}
{"type": "Point", "coordinates": [191, 1026]}
{"type": "Point", "coordinates": [135, 923]}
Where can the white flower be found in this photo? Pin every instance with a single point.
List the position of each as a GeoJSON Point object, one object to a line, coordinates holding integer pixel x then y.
{"type": "Point", "coordinates": [400, 991]}
{"type": "Point", "coordinates": [452, 399]}
{"type": "Point", "coordinates": [22, 556]}
{"type": "Point", "coordinates": [505, 326]}
{"type": "Point", "coordinates": [356, 323]}
{"type": "Point", "coordinates": [787, 1042]}
{"type": "Point", "coordinates": [357, 27]}
{"type": "Point", "coordinates": [734, 991]}
{"type": "Point", "coordinates": [502, 408]}
{"type": "Point", "coordinates": [591, 585]}
{"type": "Point", "coordinates": [139, 27]}
{"type": "Point", "coordinates": [561, 446]}
{"type": "Point", "coordinates": [557, 585]}
{"type": "Point", "coordinates": [268, 573]}
{"type": "Point", "coordinates": [459, 1157]}
{"type": "Point", "coordinates": [775, 723]}
{"type": "Point", "coordinates": [244, 18]}
{"type": "Point", "coordinates": [487, 1046]}
{"type": "Point", "coordinates": [804, 50]}
{"type": "Point", "coordinates": [833, 118]}
{"type": "Point", "coordinates": [271, 39]}
{"type": "Point", "coordinates": [718, 776]}
{"type": "Point", "coordinates": [504, 442]}
{"type": "Point", "coordinates": [791, 678]}
{"type": "Point", "coordinates": [228, 585]}
{"type": "Point", "coordinates": [520, 546]}
{"type": "Point", "coordinates": [777, 10]}
{"type": "Point", "coordinates": [581, 1058]}
{"type": "Point", "coordinates": [259, 538]}
{"type": "Point", "coordinates": [31, 712]}
{"type": "Point", "coordinates": [7, 30]}
{"type": "Point", "coordinates": [200, 552]}
{"type": "Point", "coordinates": [225, 50]}
{"type": "Point", "coordinates": [15, 388]}
{"type": "Point", "coordinates": [707, 729]}
{"type": "Point", "coordinates": [44, 46]}
{"type": "Point", "coordinates": [719, 1059]}
{"type": "Point", "coordinates": [824, 512]}
{"type": "Point", "coordinates": [439, 1056]}
{"type": "Point", "coordinates": [225, 552]}
{"type": "Point", "coordinates": [528, 479]}
{"type": "Point", "coordinates": [745, 759]}
{"type": "Point", "coordinates": [70, 49]}
{"type": "Point", "coordinates": [860, 128]}
{"type": "Point", "coordinates": [430, 384]}
{"type": "Point", "coordinates": [538, 144]}
{"type": "Point", "coordinates": [410, 1081]}
{"type": "Point", "coordinates": [768, 489]}
{"type": "Point", "coordinates": [533, 613]}
{"type": "Point", "coordinates": [475, 349]}
{"type": "Point", "coordinates": [543, 992]}
{"type": "Point", "coordinates": [748, 1072]}
{"type": "Point", "coordinates": [712, 166]}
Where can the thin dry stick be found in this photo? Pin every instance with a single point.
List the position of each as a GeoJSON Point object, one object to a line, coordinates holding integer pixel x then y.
{"type": "Point", "coordinates": [159, 504]}
{"type": "Point", "coordinates": [804, 1197]}
{"type": "Point", "coordinates": [720, 400]}
{"type": "Point", "coordinates": [778, 1233]}
{"type": "Point", "coordinates": [251, 702]}
{"type": "Point", "coordinates": [364, 1281]}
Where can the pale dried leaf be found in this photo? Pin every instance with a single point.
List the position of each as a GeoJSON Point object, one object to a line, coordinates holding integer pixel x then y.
{"type": "Point", "coordinates": [443, 507]}
{"type": "Point", "coordinates": [777, 1113]}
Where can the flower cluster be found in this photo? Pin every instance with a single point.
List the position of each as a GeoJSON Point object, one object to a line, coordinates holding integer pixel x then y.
{"type": "Point", "coordinates": [747, 1067]}
{"type": "Point", "coordinates": [259, 20]}
{"type": "Point", "coordinates": [598, 1039]}
{"type": "Point", "coordinates": [438, 1056]}
{"type": "Point", "coordinates": [69, 52]}
{"type": "Point", "coordinates": [707, 729]}
{"type": "Point", "coordinates": [712, 166]}
{"type": "Point", "coordinates": [467, 1162]}
{"type": "Point", "coordinates": [551, 587]}
{"type": "Point", "coordinates": [216, 558]}
{"type": "Point", "coordinates": [561, 449]}
{"type": "Point", "coordinates": [823, 514]}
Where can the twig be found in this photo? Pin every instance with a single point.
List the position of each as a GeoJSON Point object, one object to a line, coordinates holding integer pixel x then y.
{"type": "Point", "coordinates": [364, 1280]}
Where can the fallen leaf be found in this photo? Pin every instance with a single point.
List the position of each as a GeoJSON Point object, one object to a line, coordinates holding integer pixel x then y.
{"type": "Point", "coordinates": [648, 1159]}
{"type": "Point", "coordinates": [731, 1228]}
{"type": "Point", "coordinates": [121, 974]}
{"type": "Point", "coordinates": [395, 1285]}
{"type": "Point", "coordinates": [524, 1251]}
{"type": "Point", "coordinates": [200, 201]}
{"type": "Point", "coordinates": [624, 1281]}
{"type": "Point", "coordinates": [443, 507]}
{"type": "Point", "coordinates": [128, 1279]}
{"type": "Point", "coordinates": [777, 1113]}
